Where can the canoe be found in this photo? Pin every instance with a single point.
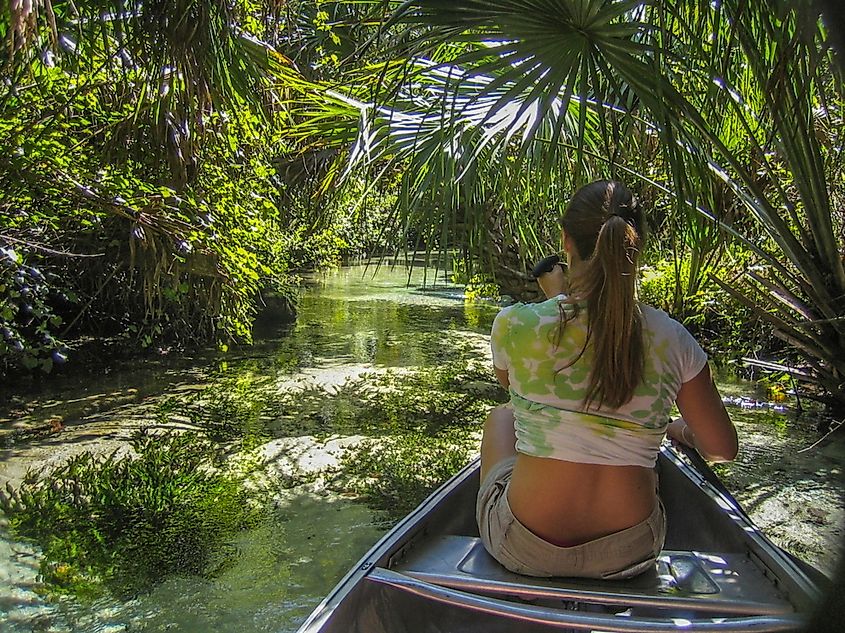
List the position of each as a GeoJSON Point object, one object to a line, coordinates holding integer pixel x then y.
{"type": "Point", "coordinates": [717, 573]}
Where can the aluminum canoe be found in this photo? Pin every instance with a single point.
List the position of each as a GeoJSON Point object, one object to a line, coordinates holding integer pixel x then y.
{"type": "Point", "coordinates": [717, 573]}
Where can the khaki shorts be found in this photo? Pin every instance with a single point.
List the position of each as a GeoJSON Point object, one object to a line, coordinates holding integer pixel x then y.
{"type": "Point", "coordinates": [619, 555]}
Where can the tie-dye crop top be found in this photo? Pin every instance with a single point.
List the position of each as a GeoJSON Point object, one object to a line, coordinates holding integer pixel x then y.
{"type": "Point", "coordinates": [547, 393]}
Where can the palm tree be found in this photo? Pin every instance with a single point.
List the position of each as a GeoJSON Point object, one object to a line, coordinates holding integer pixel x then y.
{"type": "Point", "coordinates": [731, 109]}
{"type": "Point", "coordinates": [170, 65]}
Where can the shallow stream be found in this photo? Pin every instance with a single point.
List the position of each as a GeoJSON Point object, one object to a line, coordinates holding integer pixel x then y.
{"type": "Point", "coordinates": [350, 322]}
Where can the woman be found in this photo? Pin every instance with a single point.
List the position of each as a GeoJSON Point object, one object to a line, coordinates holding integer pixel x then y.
{"type": "Point", "coordinates": [567, 467]}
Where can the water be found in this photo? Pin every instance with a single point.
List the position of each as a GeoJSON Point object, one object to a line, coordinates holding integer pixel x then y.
{"type": "Point", "coordinates": [280, 574]}
{"type": "Point", "coordinates": [349, 322]}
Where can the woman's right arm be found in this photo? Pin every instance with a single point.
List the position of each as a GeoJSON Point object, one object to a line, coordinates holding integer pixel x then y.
{"type": "Point", "coordinates": [710, 430]}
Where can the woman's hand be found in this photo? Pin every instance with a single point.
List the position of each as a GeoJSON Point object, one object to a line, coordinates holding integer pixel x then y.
{"type": "Point", "coordinates": [678, 431]}
{"type": "Point", "coordinates": [553, 283]}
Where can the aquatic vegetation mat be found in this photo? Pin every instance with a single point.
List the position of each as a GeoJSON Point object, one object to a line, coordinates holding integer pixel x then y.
{"type": "Point", "coordinates": [427, 401]}
{"type": "Point", "coordinates": [225, 413]}
{"type": "Point", "coordinates": [173, 501]}
{"type": "Point", "coordinates": [420, 427]}
{"type": "Point", "coordinates": [393, 475]}
{"type": "Point", "coordinates": [122, 523]}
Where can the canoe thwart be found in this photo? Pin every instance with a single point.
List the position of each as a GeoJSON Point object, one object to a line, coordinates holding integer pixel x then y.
{"type": "Point", "coordinates": [723, 583]}
{"type": "Point", "coordinates": [581, 620]}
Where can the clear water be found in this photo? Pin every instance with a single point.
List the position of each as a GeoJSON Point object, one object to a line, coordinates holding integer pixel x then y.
{"type": "Point", "coordinates": [348, 319]}
{"type": "Point", "coordinates": [281, 572]}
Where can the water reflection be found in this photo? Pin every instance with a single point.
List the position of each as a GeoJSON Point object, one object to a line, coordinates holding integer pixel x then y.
{"type": "Point", "coordinates": [347, 315]}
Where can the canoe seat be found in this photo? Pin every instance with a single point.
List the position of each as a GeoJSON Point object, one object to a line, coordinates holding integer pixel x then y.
{"type": "Point", "coordinates": [723, 583]}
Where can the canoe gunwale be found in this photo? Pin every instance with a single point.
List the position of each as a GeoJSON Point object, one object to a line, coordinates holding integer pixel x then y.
{"type": "Point", "coordinates": [577, 620]}
{"type": "Point", "coordinates": [396, 540]}
{"type": "Point", "coordinates": [796, 581]}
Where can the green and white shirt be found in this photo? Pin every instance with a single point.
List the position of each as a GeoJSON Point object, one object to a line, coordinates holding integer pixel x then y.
{"type": "Point", "coordinates": [547, 392]}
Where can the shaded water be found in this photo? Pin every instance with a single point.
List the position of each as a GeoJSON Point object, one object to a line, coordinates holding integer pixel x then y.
{"type": "Point", "coordinates": [349, 322]}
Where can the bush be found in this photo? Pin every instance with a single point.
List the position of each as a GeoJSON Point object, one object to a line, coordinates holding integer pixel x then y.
{"type": "Point", "coordinates": [151, 260]}
{"type": "Point", "coordinates": [726, 328]}
{"type": "Point", "coordinates": [477, 285]}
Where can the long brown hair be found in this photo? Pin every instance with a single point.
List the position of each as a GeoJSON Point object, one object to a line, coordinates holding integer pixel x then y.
{"type": "Point", "coordinates": [605, 224]}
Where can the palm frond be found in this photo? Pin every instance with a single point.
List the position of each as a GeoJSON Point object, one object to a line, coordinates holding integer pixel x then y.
{"type": "Point", "coordinates": [735, 92]}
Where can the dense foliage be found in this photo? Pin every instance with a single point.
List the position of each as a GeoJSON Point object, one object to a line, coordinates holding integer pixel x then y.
{"type": "Point", "coordinates": [158, 190]}
{"type": "Point", "coordinates": [148, 197]}
{"type": "Point", "coordinates": [725, 117]}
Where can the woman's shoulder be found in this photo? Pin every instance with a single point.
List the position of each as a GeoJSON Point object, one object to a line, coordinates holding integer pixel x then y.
{"type": "Point", "coordinates": [658, 322]}
{"type": "Point", "coordinates": [546, 305]}
{"type": "Point", "coordinates": [656, 316]}
{"type": "Point", "coordinates": [530, 313]}
{"type": "Point", "coordinates": [672, 343]}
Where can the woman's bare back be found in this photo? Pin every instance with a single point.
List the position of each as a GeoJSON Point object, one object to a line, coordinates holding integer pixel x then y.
{"type": "Point", "coordinates": [568, 503]}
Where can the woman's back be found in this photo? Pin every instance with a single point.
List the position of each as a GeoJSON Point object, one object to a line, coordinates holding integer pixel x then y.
{"type": "Point", "coordinates": [581, 475]}
{"type": "Point", "coordinates": [568, 486]}
{"type": "Point", "coordinates": [568, 503]}
{"type": "Point", "coordinates": [548, 370]}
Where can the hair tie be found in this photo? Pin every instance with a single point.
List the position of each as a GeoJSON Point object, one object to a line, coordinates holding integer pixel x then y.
{"type": "Point", "coordinates": [629, 220]}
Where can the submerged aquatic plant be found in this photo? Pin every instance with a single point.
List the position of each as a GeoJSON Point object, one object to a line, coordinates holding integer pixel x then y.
{"type": "Point", "coordinates": [421, 426]}
{"type": "Point", "coordinates": [226, 413]}
{"type": "Point", "coordinates": [453, 395]}
{"type": "Point", "coordinates": [124, 522]}
{"type": "Point", "coordinates": [394, 474]}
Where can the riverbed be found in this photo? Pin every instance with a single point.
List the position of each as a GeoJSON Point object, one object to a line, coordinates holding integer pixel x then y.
{"type": "Point", "coordinates": [352, 322]}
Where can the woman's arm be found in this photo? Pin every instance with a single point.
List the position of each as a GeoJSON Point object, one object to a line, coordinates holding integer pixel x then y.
{"type": "Point", "coordinates": [553, 283]}
{"type": "Point", "coordinates": [502, 377]}
{"type": "Point", "coordinates": [705, 424]}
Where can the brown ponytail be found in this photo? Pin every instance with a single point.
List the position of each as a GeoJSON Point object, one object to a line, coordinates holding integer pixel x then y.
{"type": "Point", "coordinates": [605, 224]}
